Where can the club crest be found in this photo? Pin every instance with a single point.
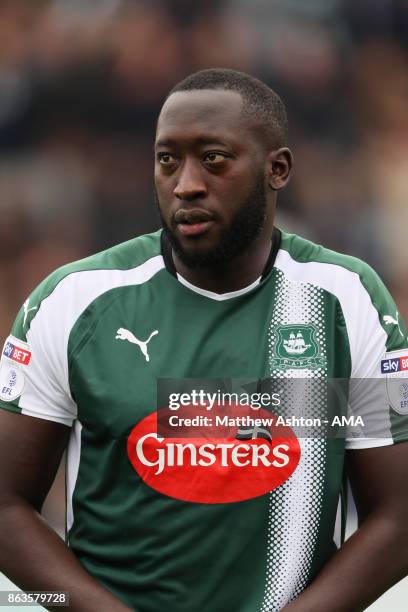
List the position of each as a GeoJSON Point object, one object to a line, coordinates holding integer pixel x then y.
{"type": "Point", "coordinates": [296, 346]}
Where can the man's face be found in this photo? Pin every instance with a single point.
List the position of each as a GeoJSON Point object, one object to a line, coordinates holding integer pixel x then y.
{"type": "Point", "coordinates": [209, 177]}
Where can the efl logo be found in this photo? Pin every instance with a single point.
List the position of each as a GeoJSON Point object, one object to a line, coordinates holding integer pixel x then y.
{"type": "Point", "coordinates": [396, 364]}
{"type": "Point", "coordinates": [16, 353]}
{"type": "Point", "coordinates": [212, 470]}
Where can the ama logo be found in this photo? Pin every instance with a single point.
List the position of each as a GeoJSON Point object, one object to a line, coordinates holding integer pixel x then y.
{"type": "Point", "coordinates": [214, 469]}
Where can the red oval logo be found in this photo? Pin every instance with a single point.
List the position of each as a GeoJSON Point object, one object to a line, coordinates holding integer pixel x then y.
{"type": "Point", "coordinates": [213, 470]}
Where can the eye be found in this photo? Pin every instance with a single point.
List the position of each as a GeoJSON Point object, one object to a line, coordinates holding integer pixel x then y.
{"type": "Point", "coordinates": [165, 159]}
{"type": "Point", "coordinates": [215, 157]}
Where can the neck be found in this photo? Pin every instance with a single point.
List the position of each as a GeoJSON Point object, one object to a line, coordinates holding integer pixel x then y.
{"type": "Point", "coordinates": [233, 275]}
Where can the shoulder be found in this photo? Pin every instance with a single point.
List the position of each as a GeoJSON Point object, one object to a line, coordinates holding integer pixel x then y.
{"type": "Point", "coordinates": [125, 256]}
{"type": "Point", "coordinates": [365, 301]}
{"type": "Point", "coordinates": [336, 272]}
{"type": "Point", "coordinates": [76, 284]}
{"type": "Point", "coordinates": [303, 252]}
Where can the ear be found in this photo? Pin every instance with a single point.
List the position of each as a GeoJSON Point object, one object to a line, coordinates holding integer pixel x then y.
{"type": "Point", "coordinates": [279, 165]}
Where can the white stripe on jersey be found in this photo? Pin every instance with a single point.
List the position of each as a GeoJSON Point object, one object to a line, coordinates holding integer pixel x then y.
{"type": "Point", "coordinates": [366, 336]}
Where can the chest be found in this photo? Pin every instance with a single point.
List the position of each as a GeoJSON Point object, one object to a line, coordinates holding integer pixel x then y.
{"type": "Point", "coordinates": [130, 339]}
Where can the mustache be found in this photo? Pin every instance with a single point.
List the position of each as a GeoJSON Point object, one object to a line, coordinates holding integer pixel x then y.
{"type": "Point", "coordinates": [192, 215]}
{"type": "Point", "coordinates": [187, 212]}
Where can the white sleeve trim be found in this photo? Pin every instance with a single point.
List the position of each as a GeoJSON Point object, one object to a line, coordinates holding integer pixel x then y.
{"type": "Point", "coordinates": [368, 443]}
{"type": "Point", "coordinates": [72, 470]}
{"type": "Point", "coordinates": [48, 417]}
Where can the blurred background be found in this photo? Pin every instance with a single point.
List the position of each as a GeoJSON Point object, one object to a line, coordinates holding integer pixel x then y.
{"type": "Point", "coordinates": [81, 84]}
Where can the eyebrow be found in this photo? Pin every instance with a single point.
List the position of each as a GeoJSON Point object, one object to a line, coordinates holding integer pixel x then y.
{"type": "Point", "coordinates": [163, 143]}
{"type": "Point", "coordinates": [206, 140]}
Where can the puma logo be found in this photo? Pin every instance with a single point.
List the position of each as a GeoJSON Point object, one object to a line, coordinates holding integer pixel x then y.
{"type": "Point", "coordinates": [125, 334]}
{"type": "Point", "coordinates": [27, 310]}
{"type": "Point", "coordinates": [389, 320]}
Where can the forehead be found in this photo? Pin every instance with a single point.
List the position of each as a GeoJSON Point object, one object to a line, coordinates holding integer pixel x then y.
{"type": "Point", "coordinates": [208, 114]}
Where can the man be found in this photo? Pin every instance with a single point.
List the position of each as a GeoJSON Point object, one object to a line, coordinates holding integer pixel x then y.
{"type": "Point", "coordinates": [218, 294]}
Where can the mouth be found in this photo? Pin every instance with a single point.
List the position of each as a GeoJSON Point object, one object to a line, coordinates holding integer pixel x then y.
{"type": "Point", "coordinates": [193, 222]}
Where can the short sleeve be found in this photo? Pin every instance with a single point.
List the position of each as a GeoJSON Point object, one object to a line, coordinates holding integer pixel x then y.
{"type": "Point", "coordinates": [33, 366]}
{"type": "Point", "coordinates": [380, 344]}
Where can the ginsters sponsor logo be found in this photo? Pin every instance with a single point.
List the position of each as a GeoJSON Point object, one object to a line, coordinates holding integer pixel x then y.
{"type": "Point", "coordinates": [216, 469]}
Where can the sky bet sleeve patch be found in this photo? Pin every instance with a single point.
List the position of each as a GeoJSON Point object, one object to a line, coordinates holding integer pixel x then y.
{"type": "Point", "coordinates": [395, 367]}
{"type": "Point", "coordinates": [16, 350]}
{"type": "Point", "coordinates": [15, 357]}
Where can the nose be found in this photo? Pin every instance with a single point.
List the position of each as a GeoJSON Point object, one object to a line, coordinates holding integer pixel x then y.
{"type": "Point", "coordinates": [190, 183]}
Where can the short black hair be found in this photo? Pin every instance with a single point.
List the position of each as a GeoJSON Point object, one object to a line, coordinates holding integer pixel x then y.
{"type": "Point", "coordinates": [261, 104]}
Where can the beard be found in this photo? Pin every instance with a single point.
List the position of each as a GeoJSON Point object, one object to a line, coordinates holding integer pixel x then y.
{"type": "Point", "coordinates": [243, 229]}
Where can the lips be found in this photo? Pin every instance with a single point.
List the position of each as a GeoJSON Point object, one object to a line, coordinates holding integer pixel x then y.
{"type": "Point", "coordinates": [193, 222]}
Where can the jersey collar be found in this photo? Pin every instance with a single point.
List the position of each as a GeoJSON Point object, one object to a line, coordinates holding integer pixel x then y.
{"type": "Point", "coordinates": [171, 268]}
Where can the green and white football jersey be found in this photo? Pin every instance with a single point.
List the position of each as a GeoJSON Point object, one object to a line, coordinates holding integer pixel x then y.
{"type": "Point", "coordinates": [87, 349]}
